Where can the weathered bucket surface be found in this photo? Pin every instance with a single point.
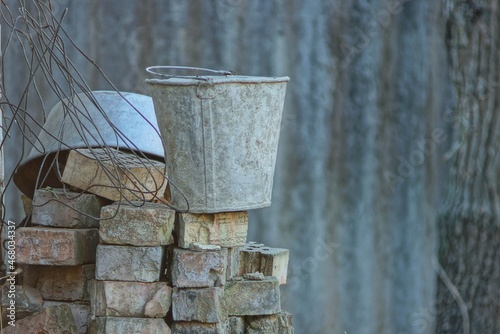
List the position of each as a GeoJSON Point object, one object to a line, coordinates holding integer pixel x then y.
{"type": "Point", "coordinates": [220, 135]}
{"type": "Point", "coordinates": [93, 119]}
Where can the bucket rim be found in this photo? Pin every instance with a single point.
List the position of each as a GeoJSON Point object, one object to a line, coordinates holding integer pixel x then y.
{"type": "Point", "coordinates": [206, 75]}
{"type": "Point", "coordinates": [212, 79]}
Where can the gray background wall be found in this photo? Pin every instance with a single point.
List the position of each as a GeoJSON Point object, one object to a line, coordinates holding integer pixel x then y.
{"type": "Point", "coordinates": [368, 87]}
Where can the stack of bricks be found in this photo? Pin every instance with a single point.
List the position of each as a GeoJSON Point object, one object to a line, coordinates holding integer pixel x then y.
{"type": "Point", "coordinates": [223, 284]}
{"type": "Point", "coordinates": [130, 294]}
{"type": "Point", "coordinates": [95, 264]}
{"type": "Point", "coordinates": [57, 256]}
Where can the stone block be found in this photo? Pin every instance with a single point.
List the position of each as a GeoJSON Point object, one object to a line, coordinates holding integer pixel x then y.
{"type": "Point", "coordinates": [141, 224]}
{"type": "Point", "coordinates": [198, 269]}
{"type": "Point", "coordinates": [194, 327]}
{"type": "Point", "coordinates": [248, 297]}
{"type": "Point", "coordinates": [118, 325]}
{"type": "Point", "coordinates": [60, 208]}
{"type": "Point", "coordinates": [159, 304]}
{"type": "Point", "coordinates": [129, 263]}
{"type": "Point", "coordinates": [270, 324]}
{"type": "Point", "coordinates": [274, 262]}
{"type": "Point", "coordinates": [203, 305]}
{"type": "Point", "coordinates": [269, 261]}
{"type": "Point", "coordinates": [63, 283]}
{"type": "Point", "coordinates": [151, 300]}
{"type": "Point", "coordinates": [20, 301]}
{"type": "Point", "coordinates": [56, 246]}
{"type": "Point", "coordinates": [227, 229]}
{"type": "Point", "coordinates": [80, 311]}
{"type": "Point", "coordinates": [235, 325]}
{"type": "Point", "coordinates": [128, 177]}
{"type": "Point", "coordinates": [55, 320]}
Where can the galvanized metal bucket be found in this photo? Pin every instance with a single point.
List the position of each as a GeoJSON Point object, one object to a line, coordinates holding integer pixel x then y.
{"type": "Point", "coordinates": [93, 119]}
{"type": "Point", "coordinates": [220, 134]}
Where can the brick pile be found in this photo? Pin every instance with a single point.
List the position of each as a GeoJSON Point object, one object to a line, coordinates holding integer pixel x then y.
{"type": "Point", "coordinates": [57, 255]}
{"type": "Point", "coordinates": [223, 284]}
{"type": "Point", "coordinates": [96, 265]}
{"type": "Point", "coordinates": [129, 293]}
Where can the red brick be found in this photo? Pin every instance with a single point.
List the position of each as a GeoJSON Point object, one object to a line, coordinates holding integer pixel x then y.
{"type": "Point", "coordinates": [63, 283]}
{"type": "Point", "coordinates": [28, 301]}
{"type": "Point", "coordinates": [54, 320]}
{"type": "Point", "coordinates": [56, 246]}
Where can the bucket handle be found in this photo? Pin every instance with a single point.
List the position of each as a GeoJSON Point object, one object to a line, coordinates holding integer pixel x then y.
{"type": "Point", "coordinates": [152, 70]}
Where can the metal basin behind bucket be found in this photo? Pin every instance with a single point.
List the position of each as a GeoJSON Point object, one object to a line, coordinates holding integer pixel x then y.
{"type": "Point", "coordinates": [96, 119]}
{"type": "Point", "coordinates": [220, 135]}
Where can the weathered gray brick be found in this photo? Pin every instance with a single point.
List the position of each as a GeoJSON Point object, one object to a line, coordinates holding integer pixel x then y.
{"type": "Point", "coordinates": [270, 324]}
{"type": "Point", "coordinates": [130, 299]}
{"type": "Point", "coordinates": [141, 224]}
{"type": "Point", "coordinates": [137, 179]}
{"type": "Point", "coordinates": [60, 208]}
{"type": "Point", "coordinates": [118, 325]}
{"type": "Point", "coordinates": [204, 305]}
{"type": "Point", "coordinates": [129, 263]}
{"type": "Point", "coordinates": [194, 327]}
{"type": "Point", "coordinates": [248, 297]}
{"type": "Point", "coordinates": [198, 268]}
{"type": "Point", "coordinates": [225, 229]}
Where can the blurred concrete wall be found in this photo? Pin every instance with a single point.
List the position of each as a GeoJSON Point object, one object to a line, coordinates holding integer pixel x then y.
{"type": "Point", "coordinates": [358, 173]}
